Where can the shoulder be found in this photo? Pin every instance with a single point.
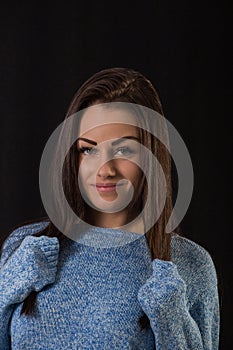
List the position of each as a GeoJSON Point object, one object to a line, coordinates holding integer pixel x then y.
{"type": "Point", "coordinates": [15, 238]}
{"type": "Point", "coordinates": [194, 263]}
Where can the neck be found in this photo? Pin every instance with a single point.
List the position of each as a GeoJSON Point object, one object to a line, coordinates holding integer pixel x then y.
{"type": "Point", "coordinates": [111, 220]}
{"type": "Point", "coordinates": [116, 220]}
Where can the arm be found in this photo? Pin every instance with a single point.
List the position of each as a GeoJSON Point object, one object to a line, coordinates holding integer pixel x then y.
{"type": "Point", "coordinates": [31, 267]}
{"type": "Point", "coordinates": [175, 324]}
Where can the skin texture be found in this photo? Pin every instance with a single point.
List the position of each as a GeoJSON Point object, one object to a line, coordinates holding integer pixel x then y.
{"type": "Point", "coordinates": [107, 163]}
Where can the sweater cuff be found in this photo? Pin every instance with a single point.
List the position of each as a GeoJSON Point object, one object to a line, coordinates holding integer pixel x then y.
{"type": "Point", "coordinates": [164, 269]}
{"type": "Point", "coordinates": [50, 248]}
{"type": "Point", "coordinates": [165, 289]}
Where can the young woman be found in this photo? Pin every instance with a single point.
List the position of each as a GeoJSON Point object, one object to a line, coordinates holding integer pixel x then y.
{"type": "Point", "coordinates": [121, 283]}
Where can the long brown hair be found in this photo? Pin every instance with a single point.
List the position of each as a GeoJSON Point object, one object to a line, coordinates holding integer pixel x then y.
{"type": "Point", "coordinates": [116, 85]}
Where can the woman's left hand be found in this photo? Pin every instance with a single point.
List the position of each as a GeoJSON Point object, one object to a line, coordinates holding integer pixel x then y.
{"type": "Point", "coordinates": [164, 289]}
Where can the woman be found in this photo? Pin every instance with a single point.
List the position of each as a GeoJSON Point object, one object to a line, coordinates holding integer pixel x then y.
{"type": "Point", "coordinates": [110, 286]}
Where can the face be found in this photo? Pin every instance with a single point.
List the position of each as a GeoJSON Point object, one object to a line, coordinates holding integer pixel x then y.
{"type": "Point", "coordinates": [108, 157]}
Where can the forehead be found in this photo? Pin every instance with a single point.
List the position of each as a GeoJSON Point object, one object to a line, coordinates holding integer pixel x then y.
{"type": "Point", "coordinates": [108, 121]}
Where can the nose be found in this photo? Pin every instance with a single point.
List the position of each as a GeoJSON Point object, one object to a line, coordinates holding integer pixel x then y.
{"type": "Point", "coordinates": [107, 169]}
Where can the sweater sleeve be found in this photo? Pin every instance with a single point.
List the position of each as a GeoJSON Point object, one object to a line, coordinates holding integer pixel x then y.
{"type": "Point", "coordinates": [29, 268]}
{"type": "Point", "coordinates": [177, 323]}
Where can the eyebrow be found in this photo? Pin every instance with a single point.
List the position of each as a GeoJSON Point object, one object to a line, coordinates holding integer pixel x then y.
{"type": "Point", "coordinates": [113, 143]}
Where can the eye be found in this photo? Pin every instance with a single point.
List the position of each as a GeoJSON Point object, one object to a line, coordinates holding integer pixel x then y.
{"type": "Point", "coordinates": [87, 150]}
{"type": "Point", "coordinates": [124, 150]}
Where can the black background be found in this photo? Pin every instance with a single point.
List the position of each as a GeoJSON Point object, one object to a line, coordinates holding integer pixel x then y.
{"type": "Point", "coordinates": [48, 51]}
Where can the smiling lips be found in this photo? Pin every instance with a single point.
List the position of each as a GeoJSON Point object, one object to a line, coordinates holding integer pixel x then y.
{"type": "Point", "coordinates": [106, 187]}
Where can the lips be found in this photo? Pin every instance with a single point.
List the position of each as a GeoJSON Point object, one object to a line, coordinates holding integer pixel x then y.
{"type": "Point", "coordinates": [106, 184]}
{"type": "Point", "coordinates": [106, 187]}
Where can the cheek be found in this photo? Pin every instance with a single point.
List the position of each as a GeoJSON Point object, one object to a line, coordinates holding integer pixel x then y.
{"type": "Point", "coordinates": [82, 170]}
{"type": "Point", "coordinates": [132, 172]}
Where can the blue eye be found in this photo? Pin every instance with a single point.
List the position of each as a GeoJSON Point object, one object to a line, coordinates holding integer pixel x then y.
{"type": "Point", "coordinates": [87, 150]}
{"type": "Point", "coordinates": [124, 150]}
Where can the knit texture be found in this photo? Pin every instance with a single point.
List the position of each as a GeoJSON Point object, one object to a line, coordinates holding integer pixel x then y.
{"type": "Point", "coordinates": [91, 297]}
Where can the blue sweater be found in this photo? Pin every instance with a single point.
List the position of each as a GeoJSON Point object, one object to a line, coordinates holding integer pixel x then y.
{"type": "Point", "coordinates": [91, 296]}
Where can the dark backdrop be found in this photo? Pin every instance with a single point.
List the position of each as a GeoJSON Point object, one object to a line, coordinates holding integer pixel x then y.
{"type": "Point", "coordinates": [183, 48]}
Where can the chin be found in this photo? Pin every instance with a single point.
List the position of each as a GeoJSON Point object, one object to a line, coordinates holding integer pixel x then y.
{"type": "Point", "coordinates": [108, 206]}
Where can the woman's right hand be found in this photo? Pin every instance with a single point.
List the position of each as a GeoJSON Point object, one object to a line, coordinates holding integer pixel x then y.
{"type": "Point", "coordinates": [31, 267]}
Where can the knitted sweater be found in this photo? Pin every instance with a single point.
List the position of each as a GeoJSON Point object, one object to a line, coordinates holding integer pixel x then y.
{"type": "Point", "coordinates": [91, 296]}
